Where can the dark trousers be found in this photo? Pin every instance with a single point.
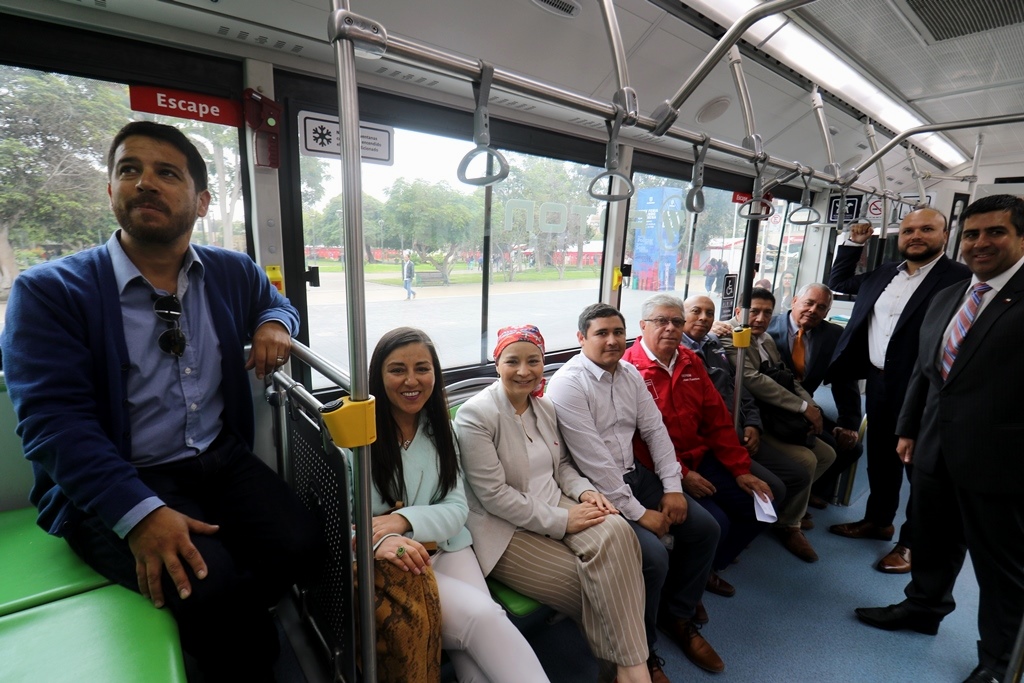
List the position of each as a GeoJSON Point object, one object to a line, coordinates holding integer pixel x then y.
{"type": "Point", "coordinates": [674, 579]}
{"type": "Point", "coordinates": [267, 541]}
{"type": "Point", "coordinates": [733, 508]}
{"type": "Point", "coordinates": [885, 469]}
{"type": "Point", "coordinates": [950, 521]}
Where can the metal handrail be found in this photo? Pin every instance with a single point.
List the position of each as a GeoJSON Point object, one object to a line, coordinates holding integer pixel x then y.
{"type": "Point", "coordinates": [404, 50]}
{"type": "Point", "coordinates": [667, 112]}
{"type": "Point", "coordinates": [935, 128]}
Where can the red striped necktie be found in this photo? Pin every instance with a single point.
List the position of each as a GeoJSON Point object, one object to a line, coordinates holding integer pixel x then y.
{"type": "Point", "coordinates": [964, 319]}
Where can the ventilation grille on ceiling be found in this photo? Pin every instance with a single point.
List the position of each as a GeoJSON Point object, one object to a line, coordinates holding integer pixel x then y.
{"type": "Point", "coordinates": [258, 39]}
{"type": "Point", "coordinates": [945, 19]}
{"type": "Point", "coordinates": [509, 103]}
{"type": "Point", "coordinates": [415, 79]}
{"type": "Point", "coordinates": [563, 8]}
{"type": "Point", "coordinates": [587, 123]}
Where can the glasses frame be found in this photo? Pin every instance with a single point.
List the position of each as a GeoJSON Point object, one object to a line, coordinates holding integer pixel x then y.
{"type": "Point", "coordinates": [172, 340]}
{"type": "Point", "coordinates": [665, 322]}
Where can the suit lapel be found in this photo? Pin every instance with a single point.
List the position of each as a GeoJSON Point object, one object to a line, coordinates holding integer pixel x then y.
{"type": "Point", "coordinates": [1008, 296]}
{"type": "Point", "coordinates": [923, 293]}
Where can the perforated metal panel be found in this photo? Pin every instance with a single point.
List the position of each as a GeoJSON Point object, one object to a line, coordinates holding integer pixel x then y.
{"type": "Point", "coordinates": [321, 482]}
{"type": "Point", "coordinates": [947, 19]}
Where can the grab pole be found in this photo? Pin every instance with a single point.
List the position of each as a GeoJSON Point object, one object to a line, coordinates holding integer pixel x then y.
{"type": "Point", "coordinates": [349, 32]}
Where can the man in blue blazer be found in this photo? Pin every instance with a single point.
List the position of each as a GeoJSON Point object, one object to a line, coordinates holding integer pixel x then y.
{"type": "Point", "coordinates": [880, 343]}
{"type": "Point", "coordinates": [125, 365]}
{"type": "Point", "coordinates": [818, 339]}
{"type": "Point", "coordinates": [961, 427]}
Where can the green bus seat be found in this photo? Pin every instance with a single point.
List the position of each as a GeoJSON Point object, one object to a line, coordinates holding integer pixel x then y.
{"type": "Point", "coordinates": [37, 568]}
{"type": "Point", "coordinates": [511, 600]}
{"type": "Point", "coordinates": [109, 634]}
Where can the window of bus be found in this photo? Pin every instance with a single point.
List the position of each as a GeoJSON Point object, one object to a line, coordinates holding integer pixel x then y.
{"type": "Point", "coordinates": [672, 250]}
{"type": "Point", "coordinates": [545, 248]}
{"type": "Point", "coordinates": [55, 131]}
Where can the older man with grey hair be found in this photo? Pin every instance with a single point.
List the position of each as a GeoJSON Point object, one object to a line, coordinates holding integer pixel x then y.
{"type": "Point", "coordinates": [806, 342]}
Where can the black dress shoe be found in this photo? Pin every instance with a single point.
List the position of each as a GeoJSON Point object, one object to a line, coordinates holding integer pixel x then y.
{"type": "Point", "coordinates": [983, 674]}
{"type": "Point", "coordinates": [898, 617]}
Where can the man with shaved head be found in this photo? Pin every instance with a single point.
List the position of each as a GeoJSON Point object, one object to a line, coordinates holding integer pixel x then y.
{"type": "Point", "coordinates": [880, 343]}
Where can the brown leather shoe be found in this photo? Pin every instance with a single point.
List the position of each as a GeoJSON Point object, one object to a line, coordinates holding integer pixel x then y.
{"type": "Point", "coordinates": [863, 529]}
{"type": "Point", "coordinates": [719, 586]}
{"type": "Point", "coordinates": [807, 522]}
{"type": "Point", "coordinates": [687, 636]}
{"type": "Point", "coordinates": [654, 666]}
{"type": "Point", "coordinates": [795, 542]}
{"type": "Point", "coordinates": [700, 615]}
{"type": "Point", "coordinates": [896, 562]}
{"type": "Point", "coordinates": [817, 502]}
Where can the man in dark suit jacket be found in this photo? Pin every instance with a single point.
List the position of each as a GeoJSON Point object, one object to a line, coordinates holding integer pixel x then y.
{"type": "Point", "coordinates": [961, 427]}
{"type": "Point", "coordinates": [818, 339]}
{"type": "Point", "coordinates": [880, 344]}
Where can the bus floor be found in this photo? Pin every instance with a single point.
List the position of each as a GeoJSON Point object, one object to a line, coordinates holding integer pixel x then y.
{"type": "Point", "coordinates": [788, 622]}
{"type": "Point", "coordinates": [794, 622]}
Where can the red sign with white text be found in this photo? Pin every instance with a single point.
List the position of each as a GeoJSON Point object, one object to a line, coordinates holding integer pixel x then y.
{"type": "Point", "coordinates": [744, 197]}
{"type": "Point", "coordinates": [186, 105]}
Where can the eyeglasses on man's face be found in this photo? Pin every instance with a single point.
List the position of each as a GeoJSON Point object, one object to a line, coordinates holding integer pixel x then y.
{"type": "Point", "coordinates": [663, 322]}
{"type": "Point", "coordinates": [172, 340]}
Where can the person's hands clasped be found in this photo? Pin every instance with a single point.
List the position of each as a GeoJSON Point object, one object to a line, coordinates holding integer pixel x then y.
{"type": "Point", "coordinates": [405, 553]}
{"type": "Point", "coordinates": [584, 516]}
{"type": "Point", "coordinates": [655, 522]}
{"type": "Point", "coordinates": [751, 439]}
{"type": "Point", "coordinates": [161, 541]}
{"type": "Point", "coordinates": [813, 413]}
{"type": "Point", "coordinates": [675, 507]}
{"type": "Point", "coordinates": [755, 486]}
{"type": "Point", "coordinates": [697, 486]}
{"type": "Point", "coordinates": [845, 438]}
{"type": "Point", "coordinates": [600, 501]}
{"type": "Point", "coordinates": [271, 348]}
{"type": "Point", "coordinates": [389, 524]}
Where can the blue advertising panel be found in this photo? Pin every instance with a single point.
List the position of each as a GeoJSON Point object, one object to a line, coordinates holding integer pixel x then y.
{"type": "Point", "coordinates": [659, 211]}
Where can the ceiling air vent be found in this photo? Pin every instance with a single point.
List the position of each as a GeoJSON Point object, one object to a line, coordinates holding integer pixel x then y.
{"type": "Point", "coordinates": [570, 9]}
{"type": "Point", "coordinates": [944, 19]}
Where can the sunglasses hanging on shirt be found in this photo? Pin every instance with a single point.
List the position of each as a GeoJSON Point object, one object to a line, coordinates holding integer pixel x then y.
{"type": "Point", "coordinates": [172, 340]}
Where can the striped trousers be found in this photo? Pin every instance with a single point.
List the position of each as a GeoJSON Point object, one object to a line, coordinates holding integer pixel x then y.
{"type": "Point", "coordinates": [593, 576]}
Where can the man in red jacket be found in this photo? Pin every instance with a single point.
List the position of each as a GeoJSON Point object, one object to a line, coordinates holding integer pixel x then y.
{"type": "Point", "coordinates": [717, 470]}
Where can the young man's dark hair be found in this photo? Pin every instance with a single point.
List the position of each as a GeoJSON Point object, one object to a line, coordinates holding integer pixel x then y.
{"type": "Point", "coordinates": [170, 135]}
{"type": "Point", "coordinates": [594, 311]}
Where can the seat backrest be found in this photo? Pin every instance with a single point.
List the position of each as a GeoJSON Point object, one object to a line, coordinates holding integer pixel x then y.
{"type": "Point", "coordinates": [15, 470]}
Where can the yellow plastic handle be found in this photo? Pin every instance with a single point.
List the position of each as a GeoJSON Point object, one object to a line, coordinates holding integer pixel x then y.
{"type": "Point", "coordinates": [351, 423]}
{"type": "Point", "coordinates": [741, 337]}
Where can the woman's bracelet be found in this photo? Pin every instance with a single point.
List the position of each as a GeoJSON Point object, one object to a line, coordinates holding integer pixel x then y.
{"type": "Point", "coordinates": [382, 539]}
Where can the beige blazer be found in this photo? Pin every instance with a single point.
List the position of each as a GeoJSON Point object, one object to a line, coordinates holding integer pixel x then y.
{"type": "Point", "coordinates": [762, 387]}
{"type": "Point", "coordinates": [493, 449]}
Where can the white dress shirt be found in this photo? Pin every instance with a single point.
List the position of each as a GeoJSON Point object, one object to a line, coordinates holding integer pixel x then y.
{"type": "Point", "coordinates": [598, 413]}
{"type": "Point", "coordinates": [889, 307]}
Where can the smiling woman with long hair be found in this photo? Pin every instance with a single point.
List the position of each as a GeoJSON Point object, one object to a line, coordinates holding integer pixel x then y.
{"type": "Point", "coordinates": [419, 508]}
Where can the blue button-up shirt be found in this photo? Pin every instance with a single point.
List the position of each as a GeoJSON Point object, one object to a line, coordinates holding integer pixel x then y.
{"type": "Point", "coordinates": [175, 404]}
